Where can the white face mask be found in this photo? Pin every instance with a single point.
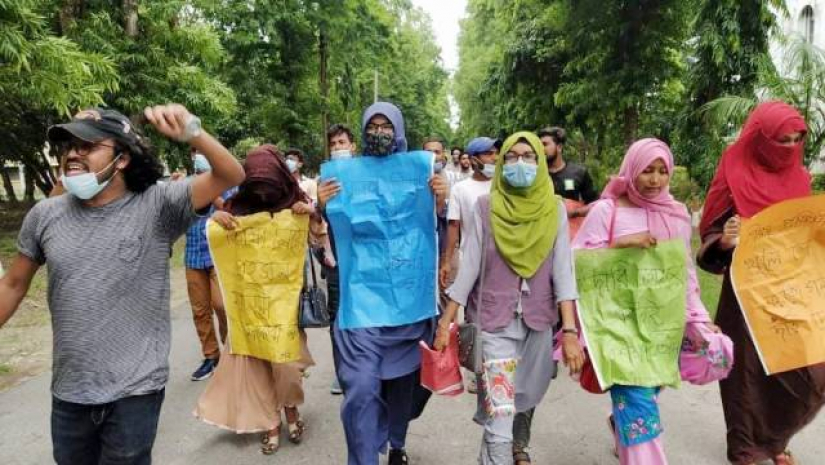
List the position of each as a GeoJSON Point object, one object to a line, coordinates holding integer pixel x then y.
{"type": "Point", "coordinates": [340, 154]}
{"type": "Point", "coordinates": [85, 186]}
{"type": "Point", "coordinates": [292, 165]}
{"type": "Point", "coordinates": [489, 170]}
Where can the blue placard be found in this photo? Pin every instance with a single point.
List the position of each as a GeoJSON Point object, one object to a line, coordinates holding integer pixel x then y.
{"type": "Point", "coordinates": [383, 221]}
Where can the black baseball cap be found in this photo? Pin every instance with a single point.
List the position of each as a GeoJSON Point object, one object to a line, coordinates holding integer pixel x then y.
{"type": "Point", "coordinates": [94, 125]}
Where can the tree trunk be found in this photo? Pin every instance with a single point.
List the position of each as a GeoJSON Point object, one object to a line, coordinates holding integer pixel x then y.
{"type": "Point", "coordinates": [323, 82]}
{"type": "Point", "coordinates": [631, 125]}
{"type": "Point", "coordinates": [69, 12]}
{"type": "Point", "coordinates": [28, 195]}
{"type": "Point", "coordinates": [7, 185]}
{"type": "Point", "coordinates": [130, 18]}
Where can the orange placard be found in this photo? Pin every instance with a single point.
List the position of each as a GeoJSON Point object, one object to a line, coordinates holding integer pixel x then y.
{"type": "Point", "coordinates": [575, 223]}
{"type": "Point", "coordinates": [778, 275]}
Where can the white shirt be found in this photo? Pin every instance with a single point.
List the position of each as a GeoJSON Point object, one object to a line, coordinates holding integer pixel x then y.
{"type": "Point", "coordinates": [309, 186]}
{"type": "Point", "coordinates": [463, 198]}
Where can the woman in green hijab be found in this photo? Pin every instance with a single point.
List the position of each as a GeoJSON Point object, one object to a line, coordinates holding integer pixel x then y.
{"type": "Point", "coordinates": [515, 278]}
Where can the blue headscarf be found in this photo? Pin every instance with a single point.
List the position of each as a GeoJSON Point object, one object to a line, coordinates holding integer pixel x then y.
{"type": "Point", "coordinates": [392, 113]}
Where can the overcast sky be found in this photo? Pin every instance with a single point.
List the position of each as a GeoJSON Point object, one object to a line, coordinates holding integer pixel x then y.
{"type": "Point", "coordinates": [445, 15]}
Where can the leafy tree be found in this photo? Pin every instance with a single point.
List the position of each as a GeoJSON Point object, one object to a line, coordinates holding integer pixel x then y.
{"type": "Point", "coordinates": [729, 45]}
{"type": "Point", "coordinates": [43, 78]}
{"type": "Point", "coordinates": [165, 54]}
{"type": "Point", "coordinates": [299, 65]}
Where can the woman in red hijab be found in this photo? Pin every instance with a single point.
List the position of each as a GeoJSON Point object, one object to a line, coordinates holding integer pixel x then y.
{"type": "Point", "coordinates": [247, 394]}
{"type": "Point", "coordinates": [762, 168]}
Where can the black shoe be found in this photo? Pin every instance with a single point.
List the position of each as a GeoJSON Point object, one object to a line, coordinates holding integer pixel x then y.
{"type": "Point", "coordinates": [205, 370]}
{"type": "Point", "coordinates": [398, 457]}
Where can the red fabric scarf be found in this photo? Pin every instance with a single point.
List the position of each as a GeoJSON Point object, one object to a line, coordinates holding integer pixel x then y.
{"type": "Point", "coordinates": [757, 171]}
{"type": "Point", "coordinates": [269, 186]}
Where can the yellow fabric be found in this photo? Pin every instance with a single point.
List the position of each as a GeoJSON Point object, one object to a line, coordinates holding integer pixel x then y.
{"type": "Point", "coordinates": [525, 219]}
{"type": "Point", "coordinates": [260, 269]}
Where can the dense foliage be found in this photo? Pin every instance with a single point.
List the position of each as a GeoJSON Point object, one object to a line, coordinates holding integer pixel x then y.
{"type": "Point", "coordinates": [612, 72]}
{"type": "Point", "coordinates": [255, 71]}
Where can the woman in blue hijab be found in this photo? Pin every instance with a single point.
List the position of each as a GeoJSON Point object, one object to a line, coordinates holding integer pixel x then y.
{"type": "Point", "coordinates": [378, 367]}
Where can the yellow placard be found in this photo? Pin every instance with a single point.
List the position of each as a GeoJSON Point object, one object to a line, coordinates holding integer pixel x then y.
{"type": "Point", "coordinates": [778, 274]}
{"type": "Point", "coordinates": [260, 268]}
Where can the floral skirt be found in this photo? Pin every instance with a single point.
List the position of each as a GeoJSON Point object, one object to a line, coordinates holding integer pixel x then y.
{"type": "Point", "coordinates": [636, 413]}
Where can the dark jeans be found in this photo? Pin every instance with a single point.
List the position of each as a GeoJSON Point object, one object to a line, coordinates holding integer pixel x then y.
{"type": "Point", "coordinates": [118, 433]}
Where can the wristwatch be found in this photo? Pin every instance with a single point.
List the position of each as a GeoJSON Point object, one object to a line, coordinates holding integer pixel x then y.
{"type": "Point", "coordinates": [192, 129]}
{"type": "Point", "coordinates": [570, 331]}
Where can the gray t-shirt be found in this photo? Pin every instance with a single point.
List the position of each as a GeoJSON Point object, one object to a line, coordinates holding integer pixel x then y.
{"type": "Point", "coordinates": [109, 288]}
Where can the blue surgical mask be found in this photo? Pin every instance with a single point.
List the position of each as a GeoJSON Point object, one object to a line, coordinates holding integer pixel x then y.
{"type": "Point", "coordinates": [201, 164]}
{"type": "Point", "coordinates": [292, 165]}
{"type": "Point", "coordinates": [85, 186]}
{"type": "Point", "coordinates": [520, 174]}
{"type": "Point", "coordinates": [438, 167]}
{"type": "Point", "coordinates": [489, 170]}
{"type": "Point", "coordinates": [339, 154]}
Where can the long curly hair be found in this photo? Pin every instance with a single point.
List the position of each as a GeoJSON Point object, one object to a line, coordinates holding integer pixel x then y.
{"type": "Point", "coordinates": [144, 169]}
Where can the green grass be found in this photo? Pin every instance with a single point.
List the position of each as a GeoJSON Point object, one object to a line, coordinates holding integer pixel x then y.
{"type": "Point", "coordinates": [5, 369]}
{"type": "Point", "coordinates": [33, 311]}
{"type": "Point", "coordinates": [178, 254]}
{"type": "Point", "coordinates": [709, 284]}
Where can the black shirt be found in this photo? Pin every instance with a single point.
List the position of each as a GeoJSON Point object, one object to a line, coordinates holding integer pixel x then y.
{"type": "Point", "coordinates": [573, 182]}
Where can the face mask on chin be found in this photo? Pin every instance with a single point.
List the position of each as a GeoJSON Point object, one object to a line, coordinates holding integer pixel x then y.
{"type": "Point", "coordinates": [340, 154]}
{"type": "Point", "coordinates": [85, 186]}
{"type": "Point", "coordinates": [292, 165]}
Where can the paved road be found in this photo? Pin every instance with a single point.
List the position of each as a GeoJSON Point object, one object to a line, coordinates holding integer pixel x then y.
{"type": "Point", "coordinates": [569, 428]}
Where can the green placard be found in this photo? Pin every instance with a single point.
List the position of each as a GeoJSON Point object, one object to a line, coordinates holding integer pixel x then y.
{"type": "Point", "coordinates": [632, 306]}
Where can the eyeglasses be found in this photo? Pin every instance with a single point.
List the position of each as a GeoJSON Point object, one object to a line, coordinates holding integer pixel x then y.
{"type": "Point", "coordinates": [82, 147]}
{"type": "Point", "coordinates": [373, 128]}
{"type": "Point", "coordinates": [511, 157]}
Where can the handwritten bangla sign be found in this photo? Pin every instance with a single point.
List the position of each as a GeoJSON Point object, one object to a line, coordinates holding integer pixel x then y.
{"type": "Point", "coordinates": [383, 222]}
{"type": "Point", "coordinates": [632, 309]}
{"type": "Point", "coordinates": [260, 269]}
{"type": "Point", "coordinates": [778, 275]}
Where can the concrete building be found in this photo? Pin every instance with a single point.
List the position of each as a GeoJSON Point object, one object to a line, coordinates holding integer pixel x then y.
{"type": "Point", "coordinates": [806, 18]}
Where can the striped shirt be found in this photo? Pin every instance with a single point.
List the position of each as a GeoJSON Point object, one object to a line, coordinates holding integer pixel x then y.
{"type": "Point", "coordinates": [108, 289]}
{"type": "Point", "coordinates": [196, 255]}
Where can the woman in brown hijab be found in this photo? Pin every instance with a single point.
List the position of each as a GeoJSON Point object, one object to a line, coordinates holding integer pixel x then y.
{"type": "Point", "coordinates": [246, 394]}
{"type": "Point", "coordinates": [762, 168]}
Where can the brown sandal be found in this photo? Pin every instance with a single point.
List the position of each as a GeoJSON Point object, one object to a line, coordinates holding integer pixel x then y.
{"type": "Point", "coordinates": [295, 424]}
{"type": "Point", "coordinates": [271, 441]}
{"type": "Point", "coordinates": [521, 457]}
{"type": "Point", "coordinates": [785, 458]}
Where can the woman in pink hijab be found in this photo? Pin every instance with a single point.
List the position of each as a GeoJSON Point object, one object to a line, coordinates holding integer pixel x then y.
{"type": "Point", "coordinates": [637, 210]}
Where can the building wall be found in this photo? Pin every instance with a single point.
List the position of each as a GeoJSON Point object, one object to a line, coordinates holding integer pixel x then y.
{"type": "Point", "coordinates": [795, 23]}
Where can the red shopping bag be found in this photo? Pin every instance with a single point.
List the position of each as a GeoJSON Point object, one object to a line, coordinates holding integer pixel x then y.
{"type": "Point", "coordinates": [588, 379]}
{"type": "Point", "coordinates": [440, 371]}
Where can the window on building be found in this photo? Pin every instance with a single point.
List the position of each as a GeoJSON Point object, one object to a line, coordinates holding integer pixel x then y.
{"type": "Point", "coordinates": [806, 23]}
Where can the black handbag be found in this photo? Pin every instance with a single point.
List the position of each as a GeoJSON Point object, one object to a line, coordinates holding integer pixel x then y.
{"type": "Point", "coordinates": [313, 311]}
{"type": "Point", "coordinates": [469, 347]}
{"type": "Point", "coordinates": [470, 355]}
